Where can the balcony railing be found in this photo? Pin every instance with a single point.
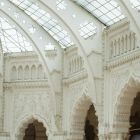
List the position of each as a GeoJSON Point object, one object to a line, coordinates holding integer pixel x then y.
{"type": "Point", "coordinates": [123, 44]}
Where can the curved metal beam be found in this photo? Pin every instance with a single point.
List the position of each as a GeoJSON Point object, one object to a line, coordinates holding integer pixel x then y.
{"type": "Point", "coordinates": [77, 40]}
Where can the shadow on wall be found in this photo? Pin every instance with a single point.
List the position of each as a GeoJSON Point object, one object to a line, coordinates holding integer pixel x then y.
{"type": "Point", "coordinates": [136, 137]}
{"type": "Point", "coordinates": [35, 131]}
{"type": "Point", "coordinates": [91, 125]}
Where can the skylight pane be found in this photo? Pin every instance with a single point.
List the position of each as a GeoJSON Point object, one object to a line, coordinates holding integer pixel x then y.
{"type": "Point", "coordinates": [135, 4]}
{"type": "Point", "coordinates": [61, 5]}
{"type": "Point", "coordinates": [17, 1]}
{"type": "Point", "coordinates": [104, 10]}
{"type": "Point", "coordinates": [24, 6]}
{"type": "Point", "coordinates": [46, 21]}
{"type": "Point", "coordinates": [87, 29]}
{"type": "Point", "coordinates": [12, 40]}
{"type": "Point", "coordinates": [91, 8]}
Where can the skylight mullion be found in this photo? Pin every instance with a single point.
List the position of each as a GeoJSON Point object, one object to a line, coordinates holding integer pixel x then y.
{"type": "Point", "coordinates": [12, 40]}
{"type": "Point", "coordinates": [18, 39]}
{"type": "Point", "coordinates": [45, 20]}
{"type": "Point", "coordinates": [4, 38]}
{"type": "Point", "coordinates": [21, 41]}
{"type": "Point", "coordinates": [103, 10]}
{"type": "Point", "coordinates": [41, 16]}
{"type": "Point", "coordinates": [87, 29]}
{"type": "Point", "coordinates": [24, 4]}
{"type": "Point", "coordinates": [135, 4]}
{"type": "Point", "coordinates": [29, 9]}
{"type": "Point", "coordinates": [47, 26]}
{"type": "Point", "coordinates": [38, 14]}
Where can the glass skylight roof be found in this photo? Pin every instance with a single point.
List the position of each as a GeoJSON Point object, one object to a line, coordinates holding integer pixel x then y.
{"type": "Point", "coordinates": [135, 4]}
{"type": "Point", "coordinates": [61, 5]}
{"type": "Point", "coordinates": [12, 40]}
{"type": "Point", "coordinates": [107, 11]}
{"type": "Point", "coordinates": [87, 29]}
{"type": "Point", "coordinates": [45, 20]}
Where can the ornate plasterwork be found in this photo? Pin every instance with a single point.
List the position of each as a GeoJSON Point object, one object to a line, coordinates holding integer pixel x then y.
{"type": "Point", "coordinates": [24, 121]}
{"type": "Point", "coordinates": [27, 84]}
{"type": "Point", "coordinates": [124, 84]}
{"type": "Point", "coordinates": [31, 103]}
{"type": "Point", "coordinates": [124, 102]}
{"type": "Point", "coordinates": [82, 75]}
{"type": "Point", "coordinates": [121, 76]}
{"type": "Point", "coordinates": [119, 79]}
{"type": "Point", "coordinates": [77, 90]}
{"type": "Point", "coordinates": [121, 45]}
{"type": "Point", "coordinates": [78, 114]}
{"type": "Point", "coordinates": [123, 59]}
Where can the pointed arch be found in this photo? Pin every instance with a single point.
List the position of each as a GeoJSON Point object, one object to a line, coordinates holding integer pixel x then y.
{"type": "Point", "coordinates": [33, 72]}
{"type": "Point", "coordinates": [40, 72]}
{"type": "Point", "coordinates": [38, 45]}
{"type": "Point", "coordinates": [23, 124]}
{"type": "Point", "coordinates": [78, 117]}
{"type": "Point", "coordinates": [122, 108]}
{"type": "Point", "coordinates": [14, 73]}
{"type": "Point", "coordinates": [78, 43]}
{"type": "Point", "coordinates": [26, 72]}
{"type": "Point", "coordinates": [20, 73]}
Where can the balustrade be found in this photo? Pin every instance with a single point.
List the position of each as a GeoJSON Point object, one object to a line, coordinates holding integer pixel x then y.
{"type": "Point", "coordinates": [123, 44]}
{"type": "Point", "coordinates": [75, 64]}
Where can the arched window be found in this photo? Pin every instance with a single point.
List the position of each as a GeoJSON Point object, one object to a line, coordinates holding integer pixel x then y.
{"type": "Point", "coordinates": [20, 73]}
{"type": "Point", "coordinates": [33, 72]}
{"type": "Point", "coordinates": [40, 72]}
{"type": "Point", "coordinates": [35, 131]}
{"type": "Point", "coordinates": [26, 73]}
{"type": "Point", "coordinates": [14, 73]}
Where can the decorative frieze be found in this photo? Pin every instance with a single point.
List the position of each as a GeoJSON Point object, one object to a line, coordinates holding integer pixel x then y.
{"type": "Point", "coordinates": [27, 72]}
{"type": "Point", "coordinates": [27, 84]}
{"type": "Point", "coordinates": [75, 78]}
{"type": "Point", "coordinates": [123, 59]}
{"type": "Point", "coordinates": [123, 44]}
{"type": "Point", "coordinates": [31, 103]}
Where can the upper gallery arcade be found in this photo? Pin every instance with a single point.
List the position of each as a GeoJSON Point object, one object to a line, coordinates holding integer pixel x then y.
{"type": "Point", "coordinates": [69, 70]}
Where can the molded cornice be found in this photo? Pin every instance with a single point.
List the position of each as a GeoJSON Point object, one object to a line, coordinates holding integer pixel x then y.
{"type": "Point", "coordinates": [27, 84]}
{"type": "Point", "coordinates": [75, 77]}
{"type": "Point", "coordinates": [120, 60]}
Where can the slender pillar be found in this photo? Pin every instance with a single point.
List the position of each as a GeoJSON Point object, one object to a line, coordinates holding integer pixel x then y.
{"type": "Point", "coordinates": [1, 90]}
